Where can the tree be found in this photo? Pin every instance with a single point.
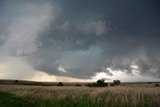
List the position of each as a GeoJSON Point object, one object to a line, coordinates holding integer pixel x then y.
{"type": "Point", "coordinates": [116, 82]}
{"type": "Point", "coordinates": [78, 85]}
{"type": "Point", "coordinates": [99, 83]}
{"type": "Point", "coordinates": [60, 84]}
{"type": "Point", "coordinates": [16, 81]}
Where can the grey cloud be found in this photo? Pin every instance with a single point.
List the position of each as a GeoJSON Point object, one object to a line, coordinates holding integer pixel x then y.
{"type": "Point", "coordinates": [64, 27]}
{"type": "Point", "coordinates": [97, 28]}
{"type": "Point", "coordinates": [83, 41]}
{"type": "Point", "coordinates": [107, 71]}
{"type": "Point", "coordinates": [149, 66]}
{"type": "Point", "coordinates": [28, 22]}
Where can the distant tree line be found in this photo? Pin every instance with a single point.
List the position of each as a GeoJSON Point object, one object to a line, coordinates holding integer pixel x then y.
{"type": "Point", "coordinates": [102, 83]}
{"type": "Point", "coordinates": [98, 83]}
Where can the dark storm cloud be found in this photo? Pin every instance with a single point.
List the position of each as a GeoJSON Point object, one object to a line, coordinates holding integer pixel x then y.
{"type": "Point", "coordinates": [83, 36]}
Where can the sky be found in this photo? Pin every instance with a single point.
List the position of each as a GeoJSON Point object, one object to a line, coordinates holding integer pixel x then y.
{"type": "Point", "coordinates": [80, 40]}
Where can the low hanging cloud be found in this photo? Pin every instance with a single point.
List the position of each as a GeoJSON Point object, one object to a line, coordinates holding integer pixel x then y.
{"type": "Point", "coordinates": [13, 68]}
{"type": "Point", "coordinates": [53, 38]}
{"type": "Point", "coordinates": [107, 71]}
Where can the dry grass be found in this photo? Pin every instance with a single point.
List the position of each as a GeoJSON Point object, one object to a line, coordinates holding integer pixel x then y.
{"type": "Point", "coordinates": [119, 96]}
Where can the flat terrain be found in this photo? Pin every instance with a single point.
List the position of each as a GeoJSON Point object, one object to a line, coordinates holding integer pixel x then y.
{"type": "Point", "coordinates": [124, 95]}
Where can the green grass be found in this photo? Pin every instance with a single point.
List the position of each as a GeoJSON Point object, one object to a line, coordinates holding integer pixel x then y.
{"type": "Point", "coordinates": [52, 96]}
{"type": "Point", "coordinates": [10, 100]}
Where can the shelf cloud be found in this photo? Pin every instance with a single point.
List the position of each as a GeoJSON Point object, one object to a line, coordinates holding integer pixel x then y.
{"type": "Point", "coordinates": [80, 39]}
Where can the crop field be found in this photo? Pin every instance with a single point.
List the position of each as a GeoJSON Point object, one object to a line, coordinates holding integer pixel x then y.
{"type": "Point", "coordinates": [125, 95]}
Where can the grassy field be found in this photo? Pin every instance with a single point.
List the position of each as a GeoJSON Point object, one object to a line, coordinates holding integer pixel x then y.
{"type": "Point", "coordinates": [125, 95]}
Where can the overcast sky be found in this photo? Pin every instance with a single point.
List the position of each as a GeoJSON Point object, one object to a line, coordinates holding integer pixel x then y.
{"type": "Point", "coordinates": [80, 40]}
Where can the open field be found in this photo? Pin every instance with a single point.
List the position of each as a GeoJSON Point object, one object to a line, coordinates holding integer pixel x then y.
{"type": "Point", "coordinates": [35, 83]}
{"type": "Point", "coordinates": [125, 95]}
